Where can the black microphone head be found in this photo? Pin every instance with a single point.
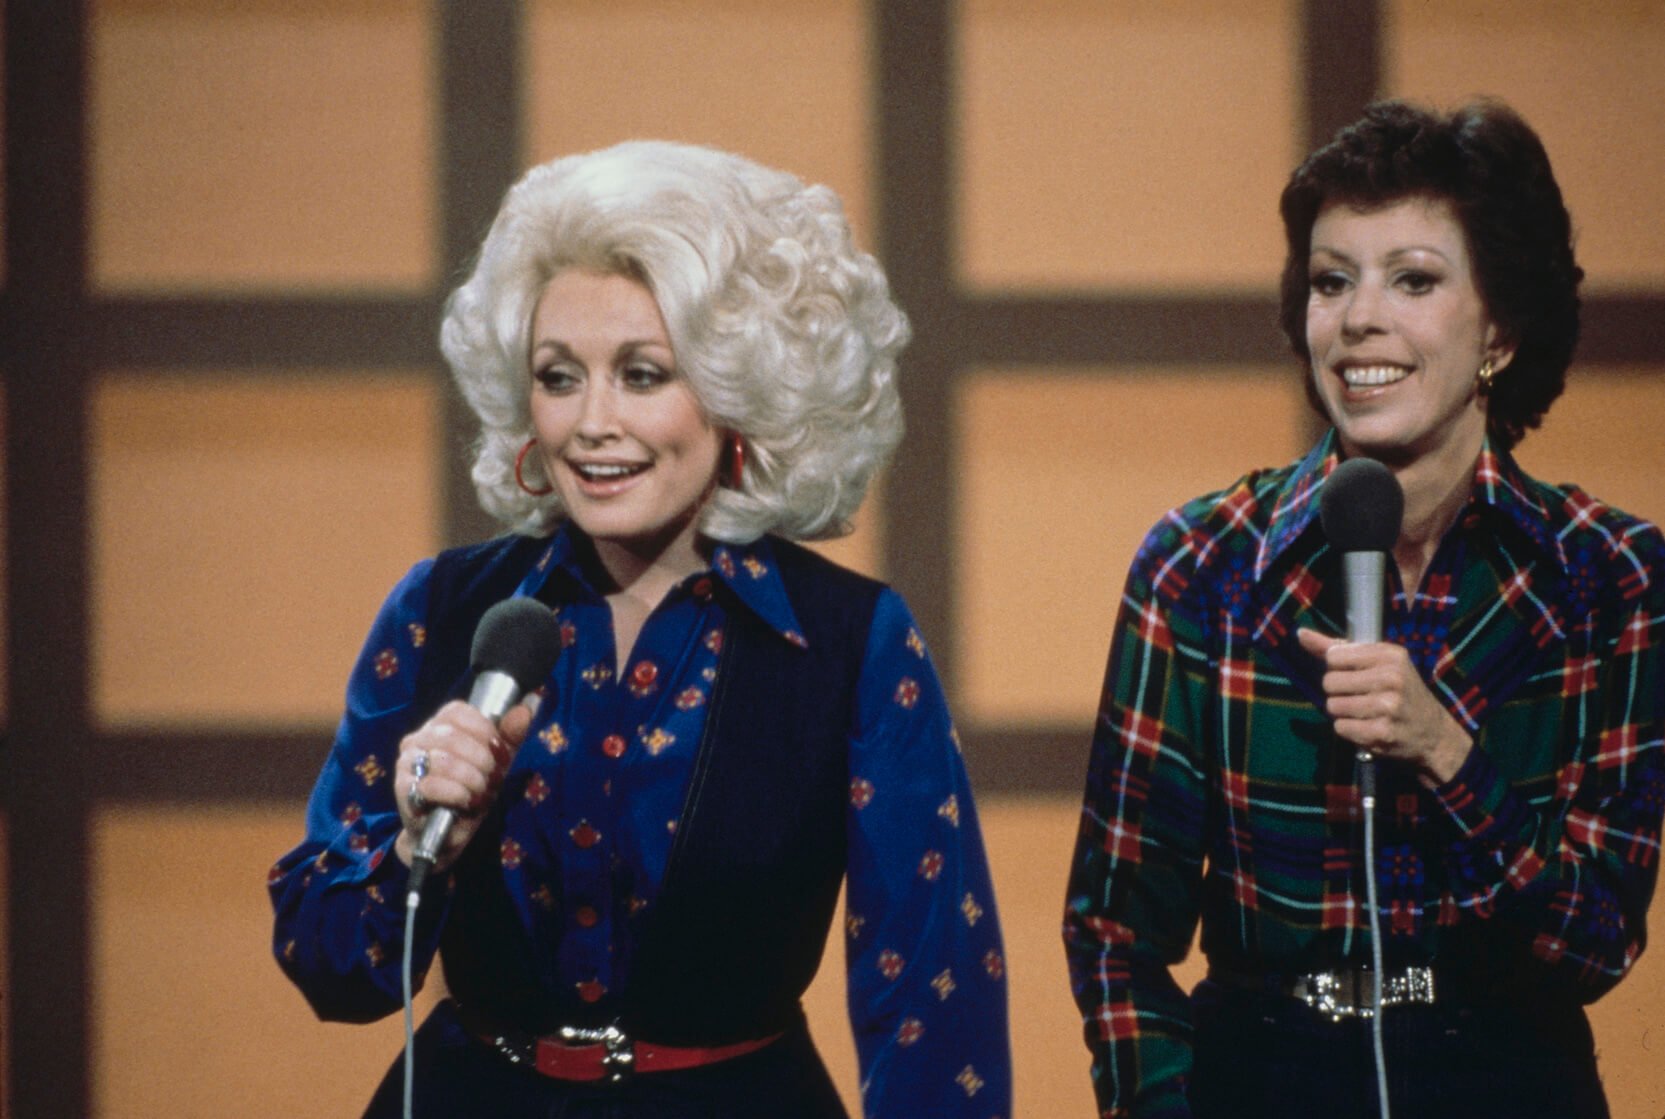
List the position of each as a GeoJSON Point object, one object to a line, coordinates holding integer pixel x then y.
{"type": "Point", "coordinates": [1361, 506]}
{"type": "Point", "coordinates": [518, 637]}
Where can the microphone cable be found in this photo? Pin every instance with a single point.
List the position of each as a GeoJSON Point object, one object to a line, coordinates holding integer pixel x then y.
{"type": "Point", "coordinates": [1367, 799]}
{"type": "Point", "coordinates": [412, 901]}
{"type": "Point", "coordinates": [515, 648]}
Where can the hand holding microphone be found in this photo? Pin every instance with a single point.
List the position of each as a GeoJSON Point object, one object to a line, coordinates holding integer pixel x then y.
{"type": "Point", "coordinates": [454, 763]}
{"type": "Point", "coordinates": [450, 769]}
{"type": "Point", "coordinates": [1374, 694]}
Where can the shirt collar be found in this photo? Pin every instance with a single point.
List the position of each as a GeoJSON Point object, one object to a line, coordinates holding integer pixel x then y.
{"type": "Point", "coordinates": [749, 570]}
{"type": "Point", "coordinates": [753, 574]}
{"type": "Point", "coordinates": [1499, 486]}
{"type": "Point", "coordinates": [1295, 503]}
{"type": "Point", "coordinates": [559, 557]}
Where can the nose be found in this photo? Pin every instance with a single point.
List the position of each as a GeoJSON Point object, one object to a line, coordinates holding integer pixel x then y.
{"type": "Point", "coordinates": [597, 418]}
{"type": "Point", "coordinates": [1362, 314]}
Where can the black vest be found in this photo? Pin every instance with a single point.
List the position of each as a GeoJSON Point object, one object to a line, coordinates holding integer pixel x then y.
{"type": "Point", "coordinates": [740, 923]}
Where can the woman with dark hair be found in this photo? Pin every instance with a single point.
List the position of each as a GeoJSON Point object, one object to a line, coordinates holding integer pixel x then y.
{"type": "Point", "coordinates": [681, 364]}
{"type": "Point", "coordinates": [1513, 712]}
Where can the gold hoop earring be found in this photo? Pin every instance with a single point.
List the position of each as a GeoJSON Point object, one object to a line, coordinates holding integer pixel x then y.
{"type": "Point", "coordinates": [1487, 374]}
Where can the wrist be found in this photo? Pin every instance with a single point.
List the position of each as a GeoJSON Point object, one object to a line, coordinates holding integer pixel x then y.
{"type": "Point", "coordinates": [1449, 753]}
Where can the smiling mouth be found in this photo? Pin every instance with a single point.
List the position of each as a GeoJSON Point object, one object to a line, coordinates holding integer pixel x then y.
{"type": "Point", "coordinates": [1373, 376]}
{"type": "Point", "coordinates": [607, 472]}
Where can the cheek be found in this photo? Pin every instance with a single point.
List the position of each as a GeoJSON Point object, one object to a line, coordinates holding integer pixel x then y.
{"type": "Point", "coordinates": [554, 418]}
{"type": "Point", "coordinates": [683, 425]}
{"type": "Point", "coordinates": [1320, 328]}
{"type": "Point", "coordinates": [704, 452]}
{"type": "Point", "coordinates": [546, 418]}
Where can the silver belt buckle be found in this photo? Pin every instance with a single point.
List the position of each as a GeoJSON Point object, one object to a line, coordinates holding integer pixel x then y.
{"type": "Point", "coordinates": [1346, 993]}
{"type": "Point", "coordinates": [620, 1057]}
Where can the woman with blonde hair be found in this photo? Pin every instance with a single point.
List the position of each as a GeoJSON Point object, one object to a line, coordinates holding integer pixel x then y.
{"type": "Point", "coordinates": [681, 365]}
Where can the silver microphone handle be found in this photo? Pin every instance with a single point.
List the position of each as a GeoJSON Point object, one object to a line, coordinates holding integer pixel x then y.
{"type": "Point", "coordinates": [492, 695]}
{"type": "Point", "coordinates": [1366, 574]}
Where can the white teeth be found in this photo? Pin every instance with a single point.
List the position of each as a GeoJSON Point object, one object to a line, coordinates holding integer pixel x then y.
{"type": "Point", "coordinates": [1363, 375]}
{"type": "Point", "coordinates": [607, 472]}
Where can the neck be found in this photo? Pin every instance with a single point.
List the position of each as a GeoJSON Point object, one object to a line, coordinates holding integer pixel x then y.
{"type": "Point", "coordinates": [647, 570]}
{"type": "Point", "coordinates": [1436, 489]}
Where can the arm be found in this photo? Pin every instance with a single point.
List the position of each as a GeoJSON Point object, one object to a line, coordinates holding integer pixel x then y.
{"type": "Point", "coordinates": [927, 990]}
{"type": "Point", "coordinates": [1135, 883]}
{"type": "Point", "coordinates": [1571, 878]}
{"type": "Point", "coordinates": [339, 897]}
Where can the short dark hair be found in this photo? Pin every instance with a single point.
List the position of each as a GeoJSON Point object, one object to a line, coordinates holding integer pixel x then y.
{"type": "Point", "coordinates": [1491, 168]}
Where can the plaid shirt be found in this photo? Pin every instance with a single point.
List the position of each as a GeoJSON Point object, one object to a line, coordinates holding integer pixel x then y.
{"type": "Point", "coordinates": [1216, 788]}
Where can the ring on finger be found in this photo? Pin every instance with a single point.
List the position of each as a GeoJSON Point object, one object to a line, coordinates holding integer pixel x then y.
{"type": "Point", "coordinates": [418, 803]}
{"type": "Point", "coordinates": [418, 766]}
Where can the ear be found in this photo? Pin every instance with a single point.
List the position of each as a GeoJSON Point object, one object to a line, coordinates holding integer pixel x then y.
{"type": "Point", "coordinates": [1500, 348]}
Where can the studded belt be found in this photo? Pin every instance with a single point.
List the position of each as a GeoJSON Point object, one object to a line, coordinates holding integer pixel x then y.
{"type": "Point", "coordinates": [1339, 993]}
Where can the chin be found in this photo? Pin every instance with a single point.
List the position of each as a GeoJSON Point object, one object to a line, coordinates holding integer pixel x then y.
{"type": "Point", "coordinates": [641, 537]}
{"type": "Point", "coordinates": [1372, 442]}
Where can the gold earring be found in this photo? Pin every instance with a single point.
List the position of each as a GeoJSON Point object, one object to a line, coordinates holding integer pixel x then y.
{"type": "Point", "coordinates": [1487, 374]}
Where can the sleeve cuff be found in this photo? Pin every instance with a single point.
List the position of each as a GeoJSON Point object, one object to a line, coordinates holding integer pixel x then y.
{"type": "Point", "coordinates": [1478, 800]}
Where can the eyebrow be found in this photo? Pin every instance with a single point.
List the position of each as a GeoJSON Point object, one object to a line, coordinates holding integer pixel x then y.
{"type": "Point", "coordinates": [628, 346]}
{"type": "Point", "coordinates": [1392, 256]}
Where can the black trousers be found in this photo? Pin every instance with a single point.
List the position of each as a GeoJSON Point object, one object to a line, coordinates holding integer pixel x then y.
{"type": "Point", "coordinates": [459, 1077]}
{"type": "Point", "coordinates": [1264, 1056]}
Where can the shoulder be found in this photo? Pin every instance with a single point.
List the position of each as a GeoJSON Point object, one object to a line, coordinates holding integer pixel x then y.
{"type": "Point", "coordinates": [836, 608]}
{"type": "Point", "coordinates": [462, 583]}
{"type": "Point", "coordinates": [487, 571]}
{"type": "Point", "coordinates": [805, 571]}
{"type": "Point", "coordinates": [1614, 546]}
{"type": "Point", "coordinates": [473, 560]}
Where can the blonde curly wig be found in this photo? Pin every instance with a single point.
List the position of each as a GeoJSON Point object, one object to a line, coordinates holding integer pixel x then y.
{"type": "Point", "coordinates": [785, 330]}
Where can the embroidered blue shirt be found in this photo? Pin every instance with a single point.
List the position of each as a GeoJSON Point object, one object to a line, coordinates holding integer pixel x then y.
{"type": "Point", "coordinates": [591, 805]}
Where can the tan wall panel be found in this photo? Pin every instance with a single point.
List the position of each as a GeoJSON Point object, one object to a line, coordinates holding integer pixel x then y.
{"type": "Point", "coordinates": [1061, 477]}
{"type": "Point", "coordinates": [1628, 1024]}
{"type": "Point", "coordinates": [190, 1014]}
{"type": "Point", "coordinates": [265, 145]}
{"type": "Point", "coordinates": [1124, 144]}
{"type": "Point", "coordinates": [1588, 78]}
{"type": "Point", "coordinates": [244, 533]}
{"type": "Point", "coordinates": [781, 81]}
{"type": "Point", "coordinates": [1604, 434]}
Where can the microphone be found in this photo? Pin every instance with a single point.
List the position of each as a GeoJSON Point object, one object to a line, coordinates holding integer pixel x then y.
{"type": "Point", "coordinates": [1360, 508]}
{"type": "Point", "coordinates": [515, 646]}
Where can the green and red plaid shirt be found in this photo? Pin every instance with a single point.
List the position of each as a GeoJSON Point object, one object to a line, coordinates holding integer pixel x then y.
{"type": "Point", "coordinates": [1217, 790]}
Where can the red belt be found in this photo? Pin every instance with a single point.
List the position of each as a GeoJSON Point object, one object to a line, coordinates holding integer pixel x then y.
{"type": "Point", "coordinates": [607, 1053]}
